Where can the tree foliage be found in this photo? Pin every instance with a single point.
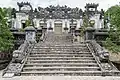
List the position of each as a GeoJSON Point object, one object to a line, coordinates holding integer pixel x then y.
{"type": "Point", "coordinates": [113, 15]}
{"type": "Point", "coordinates": [85, 20]}
{"type": "Point", "coordinates": [85, 24]}
{"type": "Point", "coordinates": [111, 46]}
{"type": "Point", "coordinates": [8, 12]}
{"type": "Point", "coordinates": [6, 37]}
{"type": "Point", "coordinates": [27, 23]}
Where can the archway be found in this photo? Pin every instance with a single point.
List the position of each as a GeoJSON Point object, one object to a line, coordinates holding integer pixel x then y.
{"type": "Point", "coordinates": [58, 27]}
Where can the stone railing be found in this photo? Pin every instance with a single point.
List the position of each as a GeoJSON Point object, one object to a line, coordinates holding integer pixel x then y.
{"type": "Point", "coordinates": [101, 52]}
{"type": "Point", "coordinates": [102, 57]}
{"type": "Point", "coordinates": [18, 60]}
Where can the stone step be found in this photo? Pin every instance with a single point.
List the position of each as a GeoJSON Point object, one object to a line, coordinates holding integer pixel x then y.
{"type": "Point", "coordinates": [60, 47]}
{"type": "Point", "coordinates": [60, 52]}
{"type": "Point", "coordinates": [53, 45]}
{"type": "Point", "coordinates": [62, 73]}
{"type": "Point", "coordinates": [48, 55]}
{"type": "Point", "coordinates": [61, 61]}
{"type": "Point", "coordinates": [69, 50]}
{"type": "Point", "coordinates": [62, 64]}
{"type": "Point", "coordinates": [56, 53]}
{"type": "Point", "coordinates": [50, 50]}
{"type": "Point", "coordinates": [61, 68]}
{"type": "Point", "coordinates": [60, 58]}
{"type": "Point", "coordinates": [59, 55]}
{"type": "Point", "coordinates": [67, 47]}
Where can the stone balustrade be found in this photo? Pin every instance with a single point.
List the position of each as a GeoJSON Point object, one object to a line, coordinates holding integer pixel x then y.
{"type": "Point", "coordinates": [18, 60]}
{"type": "Point", "coordinates": [102, 57]}
{"type": "Point", "coordinates": [101, 52]}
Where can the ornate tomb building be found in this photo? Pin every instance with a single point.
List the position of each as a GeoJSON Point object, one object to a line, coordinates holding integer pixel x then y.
{"type": "Point", "coordinates": [57, 18]}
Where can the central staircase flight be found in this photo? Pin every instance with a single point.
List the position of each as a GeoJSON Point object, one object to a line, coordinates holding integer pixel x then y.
{"type": "Point", "coordinates": [57, 55]}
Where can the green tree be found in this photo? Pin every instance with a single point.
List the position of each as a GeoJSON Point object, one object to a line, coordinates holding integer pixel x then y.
{"type": "Point", "coordinates": [8, 12]}
{"type": "Point", "coordinates": [113, 15]}
{"type": "Point", "coordinates": [6, 37]}
{"type": "Point", "coordinates": [27, 23]}
{"type": "Point", "coordinates": [85, 21]}
{"type": "Point", "coordinates": [85, 24]}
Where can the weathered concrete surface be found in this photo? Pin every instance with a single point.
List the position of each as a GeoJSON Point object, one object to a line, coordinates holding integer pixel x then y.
{"type": "Point", "coordinates": [59, 78]}
{"type": "Point", "coordinates": [114, 57]}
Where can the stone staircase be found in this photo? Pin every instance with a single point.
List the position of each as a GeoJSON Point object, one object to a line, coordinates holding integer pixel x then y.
{"type": "Point", "coordinates": [57, 55]}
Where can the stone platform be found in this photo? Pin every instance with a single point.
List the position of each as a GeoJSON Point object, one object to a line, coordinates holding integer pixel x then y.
{"type": "Point", "coordinates": [60, 77]}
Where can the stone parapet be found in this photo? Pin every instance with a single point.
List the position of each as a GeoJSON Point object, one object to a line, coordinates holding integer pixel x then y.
{"type": "Point", "coordinates": [18, 60]}
{"type": "Point", "coordinates": [102, 56]}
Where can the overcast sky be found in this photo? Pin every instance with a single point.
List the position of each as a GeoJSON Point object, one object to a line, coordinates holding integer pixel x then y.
{"type": "Point", "coordinates": [71, 3]}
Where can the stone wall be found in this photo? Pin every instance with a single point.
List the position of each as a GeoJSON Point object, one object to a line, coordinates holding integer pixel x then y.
{"type": "Point", "coordinates": [4, 59]}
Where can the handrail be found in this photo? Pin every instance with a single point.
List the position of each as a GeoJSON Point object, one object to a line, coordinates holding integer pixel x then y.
{"type": "Point", "coordinates": [101, 52]}
{"type": "Point", "coordinates": [97, 60]}
{"type": "Point", "coordinates": [111, 69]}
{"type": "Point", "coordinates": [19, 59]}
{"type": "Point", "coordinates": [27, 56]}
{"type": "Point", "coordinates": [97, 49]}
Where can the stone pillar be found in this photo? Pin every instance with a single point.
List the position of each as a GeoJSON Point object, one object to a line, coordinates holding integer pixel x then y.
{"type": "Point", "coordinates": [53, 26]}
{"type": "Point", "coordinates": [102, 23]}
{"type": "Point", "coordinates": [37, 23]}
{"type": "Point", "coordinates": [63, 25]}
{"type": "Point", "coordinates": [89, 33]}
{"type": "Point", "coordinates": [66, 28]}
{"type": "Point", "coordinates": [19, 24]}
{"type": "Point", "coordinates": [81, 22]}
{"type": "Point", "coordinates": [68, 25]}
{"type": "Point", "coordinates": [108, 25]}
{"type": "Point", "coordinates": [97, 21]}
{"type": "Point", "coordinates": [50, 24]}
{"type": "Point", "coordinates": [30, 34]}
{"type": "Point", "coordinates": [13, 23]}
{"type": "Point", "coordinates": [78, 24]}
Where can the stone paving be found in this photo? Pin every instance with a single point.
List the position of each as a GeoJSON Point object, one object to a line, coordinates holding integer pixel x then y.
{"type": "Point", "coordinates": [59, 78]}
